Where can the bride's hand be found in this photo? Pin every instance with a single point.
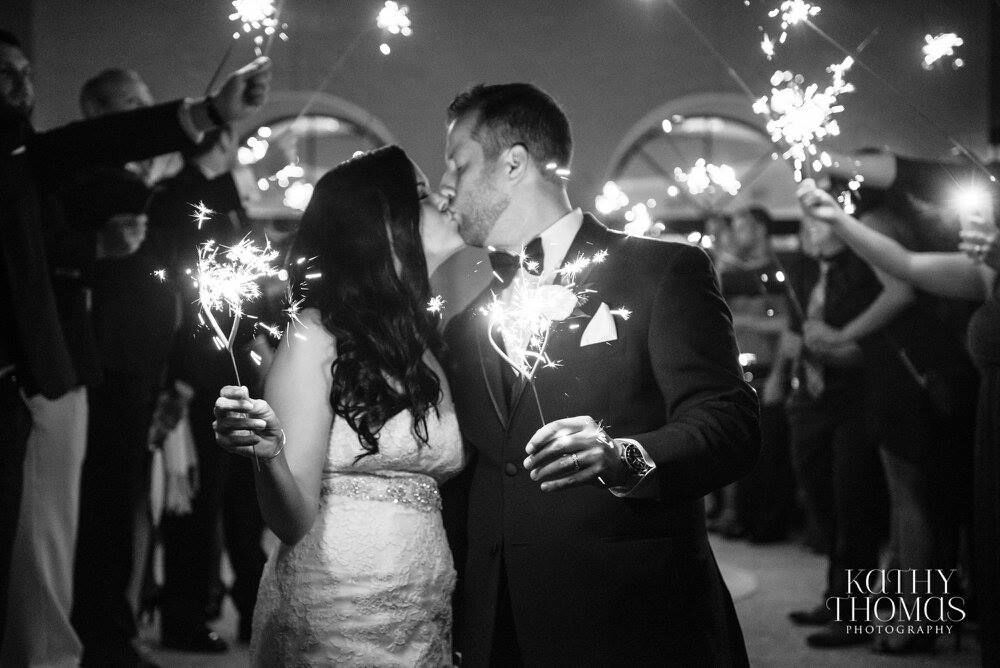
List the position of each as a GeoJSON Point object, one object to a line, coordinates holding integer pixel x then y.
{"type": "Point", "coordinates": [245, 426]}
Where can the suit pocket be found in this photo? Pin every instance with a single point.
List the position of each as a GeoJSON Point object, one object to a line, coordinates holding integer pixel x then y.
{"type": "Point", "coordinates": [603, 350]}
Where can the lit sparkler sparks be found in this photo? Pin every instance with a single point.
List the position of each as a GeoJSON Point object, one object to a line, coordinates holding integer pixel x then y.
{"type": "Point", "coordinates": [611, 198]}
{"type": "Point", "coordinates": [767, 46]}
{"type": "Point", "coordinates": [706, 176]}
{"type": "Point", "coordinates": [201, 214]}
{"type": "Point", "coordinates": [257, 16]}
{"type": "Point", "coordinates": [160, 274]}
{"type": "Point", "coordinates": [802, 117]}
{"type": "Point", "coordinates": [937, 47]}
{"type": "Point", "coordinates": [394, 19]}
{"type": "Point", "coordinates": [436, 304]}
{"type": "Point", "coordinates": [225, 284]}
{"type": "Point", "coordinates": [793, 12]}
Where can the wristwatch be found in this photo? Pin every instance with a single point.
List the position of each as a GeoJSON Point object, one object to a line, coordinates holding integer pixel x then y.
{"type": "Point", "coordinates": [632, 460]}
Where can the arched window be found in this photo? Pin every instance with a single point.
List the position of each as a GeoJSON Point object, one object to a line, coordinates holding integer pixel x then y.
{"type": "Point", "coordinates": [694, 158]}
{"type": "Point", "coordinates": [305, 134]}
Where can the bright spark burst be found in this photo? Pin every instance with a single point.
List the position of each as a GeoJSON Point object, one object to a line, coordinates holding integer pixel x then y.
{"type": "Point", "coordinates": [803, 117]}
{"type": "Point", "coordinates": [622, 312]}
{"type": "Point", "coordinates": [793, 12]}
{"type": "Point", "coordinates": [706, 176]}
{"type": "Point", "coordinates": [524, 321]}
{"type": "Point", "coordinates": [611, 199]}
{"type": "Point", "coordinates": [767, 46]}
{"type": "Point", "coordinates": [160, 274]}
{"type": "Point", "coordinates": [394, 19]}
{"type": "Point", "coordinates": [272, 331]}
{"type": "Point", "coordinates": [937, 47]}
{"type": "Point", "coordinates": [225, 284]}
{"type": "Point", "coordinates": [292, 310]}
{"type": "Point", "coordinates": [436, 304]}
{"type": "Point", "coordinates": [201, 214]}
{"type": "Point", "coordinates": [257, 16]}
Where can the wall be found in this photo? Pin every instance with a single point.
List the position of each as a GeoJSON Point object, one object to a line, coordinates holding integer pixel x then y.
{"type": "Point", "coordinates": [608, 61]}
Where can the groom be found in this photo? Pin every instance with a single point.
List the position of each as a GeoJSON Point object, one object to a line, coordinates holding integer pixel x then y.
{"type": "Point", "coordinates": [586, 537]}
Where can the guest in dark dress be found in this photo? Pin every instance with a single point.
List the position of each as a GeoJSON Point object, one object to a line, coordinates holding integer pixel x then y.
{"type": "Point", "coordinates": [970, 275]}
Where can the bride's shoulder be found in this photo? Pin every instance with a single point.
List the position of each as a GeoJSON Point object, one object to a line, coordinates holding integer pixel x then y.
{"type": "Point", "coordinates": [306, 334]}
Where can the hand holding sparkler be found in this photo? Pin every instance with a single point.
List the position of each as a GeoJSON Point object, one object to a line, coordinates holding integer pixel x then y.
{"type": "Point", "coordinates": [247, 427]}
{"type": "Point", "coordinates": [818, 204]}
{"type": "Point", "coordinates": [241, 96]}
{"type": "Point", "coordinates": [245, 91]}
{"type": "Point", "coordinates": [571, 452]}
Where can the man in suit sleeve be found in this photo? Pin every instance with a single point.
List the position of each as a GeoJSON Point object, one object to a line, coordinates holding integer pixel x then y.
{"type": "Point", "coordinates": [47, 355]}
{"type": "Point", "coordinates": [585, 538]}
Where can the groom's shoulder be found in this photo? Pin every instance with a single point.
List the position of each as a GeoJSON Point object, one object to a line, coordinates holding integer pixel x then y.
{"type": "Point", "coordinates": [658, 255]}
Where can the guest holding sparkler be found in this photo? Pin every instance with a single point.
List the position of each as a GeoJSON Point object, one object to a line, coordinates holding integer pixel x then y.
{"type": "Point", "coordinates": [49, 355]}
{"type": "Point", "coordinates": [586, 535]}
{"type": "Point", "coordinates": [970, 274]}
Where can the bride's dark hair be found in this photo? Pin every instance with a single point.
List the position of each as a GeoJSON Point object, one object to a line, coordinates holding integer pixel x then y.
{"type": "Point", "coordinates": [361, 213]}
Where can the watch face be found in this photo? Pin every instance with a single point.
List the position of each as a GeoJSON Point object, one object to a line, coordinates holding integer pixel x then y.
{"type": "Point", "coordinates": [634, 460]}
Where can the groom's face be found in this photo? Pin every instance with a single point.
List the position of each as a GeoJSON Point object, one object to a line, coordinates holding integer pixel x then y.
{"type": "Point", "coordinates": [472, 183]}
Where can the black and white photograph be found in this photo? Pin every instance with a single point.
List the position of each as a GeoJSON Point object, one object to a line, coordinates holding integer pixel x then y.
{"type": "Point", "coordinates": [499, 333]}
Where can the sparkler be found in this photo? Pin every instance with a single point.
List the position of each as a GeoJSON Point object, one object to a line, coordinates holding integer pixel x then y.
{"type": "Point", "coordinates": [225, 283]}
{"type": "Point", "coordinates": [524, 322]}
{"type": "Point", "coordinates": [705, 176]}
{"type": "Point", "coordinates": [201, 214]}
{"type": "Point", "coordinates": [436, 305]}
{"type": "Point", "coordinates": [393, 19]}
{"type": "Point", "coordinates": [802, 117]}
{"type": "Point", "coordinates": [937, 47]}
{"type": "Point", "coordinates": [793, 12]}
{"type": "Point", "coordinates": [257, 16]}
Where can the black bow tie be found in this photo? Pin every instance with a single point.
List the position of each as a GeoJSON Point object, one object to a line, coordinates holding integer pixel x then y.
{"type": "Point", "coordinates": [505, 265]}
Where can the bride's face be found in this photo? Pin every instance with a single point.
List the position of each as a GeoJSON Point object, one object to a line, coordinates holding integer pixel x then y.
{"type": "Point", "coordinates": [438, 228]}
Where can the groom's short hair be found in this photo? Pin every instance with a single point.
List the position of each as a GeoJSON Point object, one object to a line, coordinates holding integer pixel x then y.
{"type": "Point", "coordinates": [516, 113]}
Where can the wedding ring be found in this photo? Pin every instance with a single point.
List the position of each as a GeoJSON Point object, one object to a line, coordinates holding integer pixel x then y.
{"type": "Point", "coordinates": [576, 462]}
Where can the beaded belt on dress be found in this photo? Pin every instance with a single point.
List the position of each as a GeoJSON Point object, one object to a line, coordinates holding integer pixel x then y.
{"type": "Point", "coordinates": [418, 491]}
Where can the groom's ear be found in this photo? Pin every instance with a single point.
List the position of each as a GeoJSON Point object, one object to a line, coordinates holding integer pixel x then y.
{"type": "Point", "coordinates": [515, 161]}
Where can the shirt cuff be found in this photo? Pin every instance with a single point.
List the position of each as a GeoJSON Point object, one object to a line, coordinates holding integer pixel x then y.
{"type": "Point", "coordinates": [187, 123]}
{"type": "Point", "coordinates": [640, 487]}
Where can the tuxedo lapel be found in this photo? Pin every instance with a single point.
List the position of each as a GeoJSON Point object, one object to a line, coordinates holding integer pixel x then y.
{"type": "Point", "coordinates": [490, 364]}
{"type": "Point", "coordinates": [589, 239]}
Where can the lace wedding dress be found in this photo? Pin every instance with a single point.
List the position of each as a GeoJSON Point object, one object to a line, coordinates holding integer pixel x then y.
{"type": "Point", "coordinates": [371, 582]}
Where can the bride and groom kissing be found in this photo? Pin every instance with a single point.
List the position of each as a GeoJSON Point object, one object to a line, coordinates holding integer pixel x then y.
{"type": "Point", "coordinates": [577, 542]}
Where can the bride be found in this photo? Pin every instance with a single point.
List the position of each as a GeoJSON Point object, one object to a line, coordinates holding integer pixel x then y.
{"type": "Point", "coordinates": [356, 431]}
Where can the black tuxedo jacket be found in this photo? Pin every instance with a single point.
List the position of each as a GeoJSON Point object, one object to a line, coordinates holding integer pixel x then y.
{"type": "Point", "coordinates": [595, 579]}
{"type": "Point", "coordinates": [46, 261]}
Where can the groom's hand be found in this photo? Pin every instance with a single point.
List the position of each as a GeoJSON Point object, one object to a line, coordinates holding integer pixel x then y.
{"type": "Point", "coordinates": [572, 452]}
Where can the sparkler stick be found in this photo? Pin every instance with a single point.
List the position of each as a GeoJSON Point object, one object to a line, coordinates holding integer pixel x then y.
{"type": "Point", "coordinates": [218, 70]}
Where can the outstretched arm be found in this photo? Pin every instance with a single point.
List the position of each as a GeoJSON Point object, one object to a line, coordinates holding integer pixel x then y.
{"type": "Point", "coordinates": [290, 430]}
{"type": "Point", "coordinates": [947, 274]}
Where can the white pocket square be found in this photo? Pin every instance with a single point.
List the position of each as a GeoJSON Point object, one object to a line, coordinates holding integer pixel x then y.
{"type": "Point", "coordinates": [601, 328]}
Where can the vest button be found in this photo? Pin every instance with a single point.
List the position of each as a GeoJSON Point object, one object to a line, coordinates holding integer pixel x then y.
{"type": "Point", "coordinates": [510, 469]}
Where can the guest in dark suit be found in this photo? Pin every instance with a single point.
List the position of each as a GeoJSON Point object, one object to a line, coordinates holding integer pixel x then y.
{"type": "Point", "coordinates": [586, 536]}
{"type": "Point", "coordinates": [44, 266]}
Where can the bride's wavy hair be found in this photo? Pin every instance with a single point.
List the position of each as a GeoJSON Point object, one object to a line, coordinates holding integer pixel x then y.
{"type": "Point", "coordinates": [363, 214]}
